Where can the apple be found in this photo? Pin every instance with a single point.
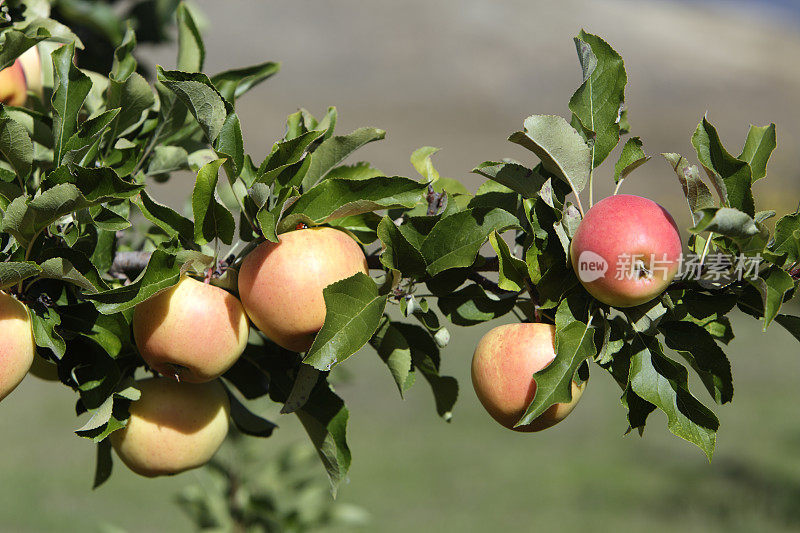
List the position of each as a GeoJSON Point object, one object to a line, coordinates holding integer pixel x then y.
{"type": "Point", "coordinates": [173, 427]}
{"type": "Point", "coordinates": [281, 283]}
{"type": "Point", "coordinates": [503, 366]}
{"type": "Point", "coordinates": [17, 346]}
{"type": "Point", "coordinates": [32, 68]}
{"type": "Point", "coordinates": [13, 87]}
{"type": "Point", "coordinates": [193, 331]}
{"type": "Point", "coordinates": [626, 250]}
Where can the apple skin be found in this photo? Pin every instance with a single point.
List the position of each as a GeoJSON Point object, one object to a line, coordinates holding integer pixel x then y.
{"type": "Point", "coordinates": [502, 374]}
{"type": "Point", "coordinates": [281, 283]}
{"type": "Point", "coordinates": [173, 427]}
{"type": "Point", "coordinates": [193, 330]}
{"type": "Point", "coordinates": [17, 346]}
{"type": "Point", "coordinates": [13, 87]}
{"type": "Point", "coordinates": [31, 64]}
{"type": "Point", "coordinates": [627, 224]}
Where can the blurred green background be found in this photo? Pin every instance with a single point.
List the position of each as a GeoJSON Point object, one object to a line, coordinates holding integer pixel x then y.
{"type": "Point", "coordinates": [462, 75]}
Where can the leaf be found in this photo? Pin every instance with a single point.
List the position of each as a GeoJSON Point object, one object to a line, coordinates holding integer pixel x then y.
{"type": "Point", "coordinates": [664, 383]}
{"type": "Point", "coordinates": [473, 305]}
{"type": "Point", "coordinates": [730, 176]}
{"type": "Point", "coordinates": [357, 171]}
{"type": "Point", "coordinates": [336, 198]}
{"type": "Point", "coordinates": [725, 221]}
{"type": "Point", "coordinates": [514, 176]}
{"type": "Point", "coordinates": [598, 100]}
{"type": "Point", "coordinates": [62, 269]}
{"type": "Point", "coordinates": [631, 158]}
{"type": "Point", "coordinates": [562, 150]}
{"type": "Point", "coordinates": [133, 96]}
{"type": "Point", "coordinates": [248, 422]}
{"type": "Point", "coordinates": [232, 84]}
{"type": "Point", "coordinates": [758, 147]}
{"type": "Point", "coordinates": [170, 221]}
{"type": "Point", "coordinates": [512, 271]}
{"type": "Point", "coordinates": [200, 96]}
{"type": "Point", "coordinates": [398, 253]}
{"type": "Point", "coordinates": [82, 147]}
{"type": "Point", "coordinates": [394, 350]}
{"type": "Point", "coordinates": [574, 343]}
{"type": "Point", "coordinates": [191, 52]}
{"type": "Point", "coordinates": [362, 227]}
{"type": "Point", "coordinates": [167, 159]}
{"type": "Point", "coordinates": [12, 272]}
{"type": "Point", "coordinates": [698, 347]}
{"type": "Point", "coordinates": [791, 323]}
{"type": "Point", "coordinates": [16, 146]}
{"type": "Point", "coordinates": [773, 288]}
{"type": "Point", "coordinates": [787, 237]}
{"type": "Point", "coordinates": [421, 160]}
{"type": "Point", "coordinates": [71, 86]}
{"type": "Point", "coordinates": [211, 219]}
{"type": "Point", "coordinates": [353, 309]}
{"type": "Point", "coordinates": [334, 150]}
{"type": "Point", "coordinates": [455, 240]}
{"type": "Point", "coordinates": [230, 145]}
{"type": "Point", "coordinates": [162, 272]}
{"type": "Point", "coordinates": [304, 383]}
{"type": "Point", "coordinates": [697, 193]}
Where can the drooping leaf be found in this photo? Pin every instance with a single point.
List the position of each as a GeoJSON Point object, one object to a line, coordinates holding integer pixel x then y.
{"type": "Point", "coordinates": [69, 92]}
{"type": "Point", "coordinates": [200, 96]}
{"type": "Point", "coordinates": [516, 177]}
{"type": "Point", "coordinates": [12, 272]}
{"type": "Point", "coordinates": [16, 146]}
{"type": "Point", "coordinates": [697, 193]}
{"type": "Point", "coordinates": [191, 52]}
{"type": "Point", "coordinates": [334, 150]}
{"type": "Point", "coordinates": [211, 219]}
{"type": "Point", "coordinates": [232, 84]}
{"type": "Point", "coordinates": [562, 150]}
{"type": "Point", "coordinates": [631, 158]}
{"type": "Point", "coordinates": [758, 147]}
{"type": "Point", "coordinates": [399, 254]}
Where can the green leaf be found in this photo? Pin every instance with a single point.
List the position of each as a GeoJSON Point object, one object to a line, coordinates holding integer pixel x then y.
{"type": "Point", "coordinates": [230, 145]}
{"type": "Point", "coordinates": [697, 193]}
{"type": "Point", "coordinates": [631, 158]}
{"type": "Point", "coordinates": [516, 177]}
{"type": "Point", "coordinates": [62, 269]}
{"type": "Point", "coordinates": [357, 171]}
{"type": "Point", "coordinates": [791, 323]}
{"type": "Point", "coordinates": [211, 219]}
{"type": "Point", "coordinates": [473, 305]}
{"type": "Point", "coordinates": [363, 227]}
{"type": "Point", "coordinates": [395, 351]}
{"type": "Point", "coordinates": [787, 237]}
{"type": "Point", "coordinates": [304, 383]}
{"type": "Point", "coordinates": [191, 52]}
{"type": "Point", "coordinates": [12, 272]}
{"type": "Point", "coordinates": [399, 254]}
{"type": "Point", "coordinates": [574, 343]}
{"type": "Point", "coordinates": [353, 309]}
{"type": "Point", "coordinates": [336, 198]}
{"type": "Point", "coordinates": [162, 272]}
{"type": "Point", "coordinates": [773, 286]}
{"type": "Point", "coordinates": [16, 145]}
{"type": "Point", "coordinates": [731, 176]}
{"type": "Point", "coordinates": [248, 422]}
{"type": "Point", "coordinates": [167, 159]}
{"type": "Point", "coordinates": [25, 218]}
{"type": "Point", "coordinates": [725, 221]}
{"type": "Point", "coordinates": [421, 160]}
{"type": "Point", "coordinates": [662, 382]}
{"type": "Point", "coordinates": [703, 354]}
{"type": "Point", "coordinates": [82, 147]}
{"type": "Point", "coordinates": [200, 96]}
{"type": "Point", "coordinates": [758, 147]}
{"type": "Point", "coordinates": [14, 43]}
{"type": "Point", "coordinates": [562, 150]}
{"type": "Point", "coordinates": [133, 96]}
{"type": "Point", "coordinates": [232, 84]}
{"type": "Point", "coordinates": [165, 218]}
{"type": "Point", "coordinates": [44, 323]}
{"type": "Point", "coordinates": [334, 150]}
{"type": "Point", "coordinates": [512, 271]}
{"type": "Point", "coordinates": [455, 240]}
{"type": "Point", "coordinates": [598, 100]}
{"type": "Point", "coordinates": [71, 86]}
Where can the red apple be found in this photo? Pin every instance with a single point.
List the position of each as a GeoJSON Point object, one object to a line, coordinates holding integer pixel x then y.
{"type": "Point", "coordinates": [626, 250]}
{"type": "Point", "coordinates": [503, 366]}
{"type": "Point", "coordinates": [281, 283]}
{"type": "Point", "coordinates": [17, 347]}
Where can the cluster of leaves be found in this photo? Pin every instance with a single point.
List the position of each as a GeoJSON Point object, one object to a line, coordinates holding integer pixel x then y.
{"type": "Point", "coordinates": [76, 166]}
{"type": "Point", "coordinates": [689, 320]}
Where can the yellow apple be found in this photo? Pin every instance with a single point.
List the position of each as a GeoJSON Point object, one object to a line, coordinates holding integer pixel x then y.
{"type": "Point", "coordinates": [192, 331]}
{"type": "Point", "coordinates": [503, 366]}
{"type": "Point", "coordinates": [281, 283]}
{"type": "Point", "coordinates": [13, 87]}
{"type": "Point", "coordinates": [173, 427]}
{"type": "Point", "coordinates": [17, 346]}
